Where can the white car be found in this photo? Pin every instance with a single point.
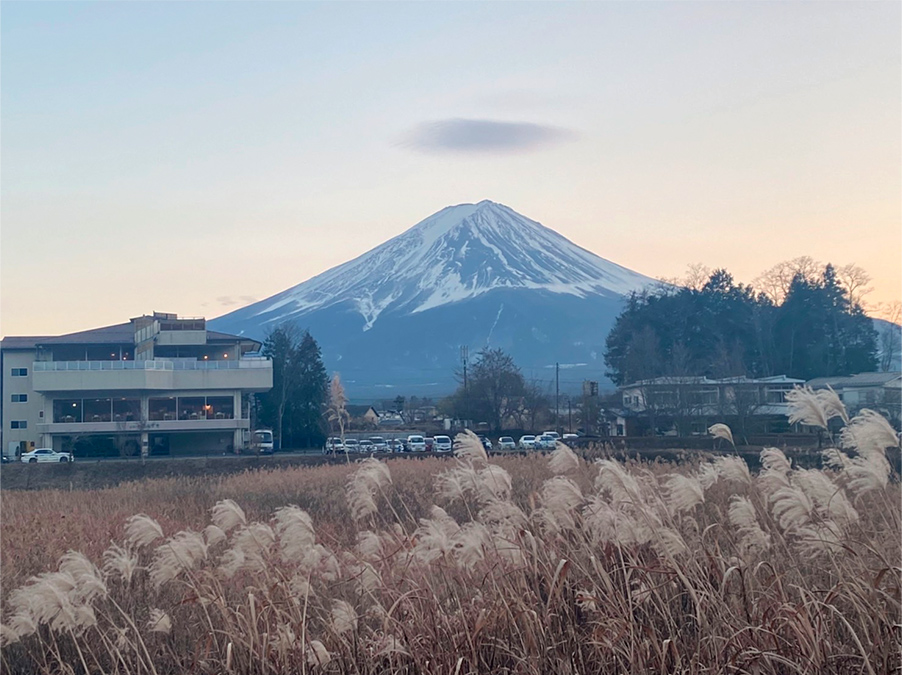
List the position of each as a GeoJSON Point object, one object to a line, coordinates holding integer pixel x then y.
{"type": "Point", "coordinates": [545, 442]}
{"type": "Point", "coordinates": [379, 444]}
{"type": "Point", "coordinates": [351, 445]}
{"type": "Point", "coordinates": [570, 437]}
{"type": "Point", "coordinates": [507, 443]}
{"type": "Point", "coordinates": [527, 443]}
{"type": "Point", "coordinates": [442, 444]}
{"type": "Point", "coordinates": [416, 444]}
{"type": "Point", "coordinates": [46, 455]}
{"type": "Point", "coordinates": [555, 435]}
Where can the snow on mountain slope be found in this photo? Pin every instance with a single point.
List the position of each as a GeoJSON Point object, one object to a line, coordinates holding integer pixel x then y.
{"type": "Point", "coordinates": [461, 252]}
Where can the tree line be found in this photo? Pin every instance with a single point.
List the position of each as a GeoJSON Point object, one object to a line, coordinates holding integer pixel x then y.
{"type": "Point", "coordinates": [807, 323]}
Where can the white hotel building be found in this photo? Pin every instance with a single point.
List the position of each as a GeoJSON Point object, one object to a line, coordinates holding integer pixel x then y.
{"type": "Point", "coordinates": [157, 384]}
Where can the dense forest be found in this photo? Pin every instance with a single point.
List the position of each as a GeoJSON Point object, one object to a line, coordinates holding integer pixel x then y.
{"type": "Point", "coordinates": [807, 322]}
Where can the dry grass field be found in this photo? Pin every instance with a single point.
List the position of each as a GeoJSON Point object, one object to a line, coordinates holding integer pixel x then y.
{"type": "Point", "coordinates": [467, 565]}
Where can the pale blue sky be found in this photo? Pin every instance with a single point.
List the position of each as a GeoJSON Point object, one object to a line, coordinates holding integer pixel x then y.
{"type": "Point", "coordinates": [183, 156]}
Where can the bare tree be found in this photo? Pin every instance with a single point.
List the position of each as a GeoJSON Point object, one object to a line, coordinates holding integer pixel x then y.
{"type": "Point", "coordinates": [696, 277]}
{"type": "Point", "coordinates": [855, 280]}
{"type": "Point", "coordinates": [775, 282]}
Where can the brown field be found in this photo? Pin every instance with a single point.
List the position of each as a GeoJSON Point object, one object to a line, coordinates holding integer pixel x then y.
{"type": "Point", "coordinates": [530, 565]}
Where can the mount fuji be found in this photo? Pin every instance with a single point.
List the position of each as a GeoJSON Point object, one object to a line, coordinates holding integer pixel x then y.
{"type": "Point", "coordinates": [393, 320]}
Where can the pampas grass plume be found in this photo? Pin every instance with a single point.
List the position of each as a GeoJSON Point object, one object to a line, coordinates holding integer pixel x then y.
{"type": "Point", "coordinates": [721, 431]}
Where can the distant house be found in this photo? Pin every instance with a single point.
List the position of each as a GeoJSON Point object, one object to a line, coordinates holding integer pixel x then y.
{"type": "Point", "coordinates": [878, 391]}
{"type": "Point", "coordinates": [371, 416]}
{"type": "Point", "coordinates": [390, 419]}
{"type": "Point", "coordinates": [690, 404]}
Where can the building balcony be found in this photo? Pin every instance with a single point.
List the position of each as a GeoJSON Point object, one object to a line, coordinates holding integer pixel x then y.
{"type": "Point", "coordinates": [112, 428]}
{"type": "Point", "coordinates": [249, 375]}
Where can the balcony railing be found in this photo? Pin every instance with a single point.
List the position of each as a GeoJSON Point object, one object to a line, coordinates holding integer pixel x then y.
{"type": "Point", "coordinates": [156, 364]}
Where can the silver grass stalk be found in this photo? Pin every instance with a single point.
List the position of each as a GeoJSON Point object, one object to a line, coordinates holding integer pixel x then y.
{"type": "Point", "coordinates": [733, 468]}
{"type": "Point", "coordinates": [141, 530]}
{"type": "Point", "coordinates": [563, 460]}
{"type": "Point", "coordinates": [683, 493]}
{"type": "Point", "coordinates": [773, 459]}
{"type": "Point", "coordinates": [369, 546]}
{"type": "Point", "coordinates": [495, 483]}
{"type": "Point", "coordinates": [792, 508]}
{"type": "Point", "coordinates": [870, 434]}
{"type": "Point", "coordinates": [214, 535]}
{"type": "Point", "coordinates": [818, 538]}
{"type": "Point", "coordinates": [867, 474]}
{"type": "Point", "coordinates": [470, 545]}
{"type": "Point", "coordinates": [468, 445]}
{"type": "Point", "coordinates": [294, 528]}
{"type": "Point", "coordinates": [832, 405]}
{"type": "Point", "coordinates": [835, 459]}
{"type": "Point", "coordinates": [251, 546]}
{"type": "Point", "coordinates": [560, 499]}
{"type": "Point", "coordinates": [317, 654]}
{"type": "Point", "coordinates": [388, 645]}
{"type": "Point", "coordinates": [721, 431]}
{"type": "Point", "coordinates": [743, 517]}
{"type": "Point", "coordinates": [457, 483]}
{"type": "Point", "coordinates": [159, 622]}
{"type": "Point", "coordinates": [435, 536]}
{"type": "Point", "coordinates": [227, 515]}
{"type": "Point", "coordinates": [8, 635]}
{"type": "Point", "coordinates": [620, 485]}
{"type": "Point", "coordinates": [831, 502]}
{"type": "Point", "coordinates": [806, 407]}
{"type": "Point", "coordinates": [363, 485]}
{"type": "Point", "coordinates": [88, 581]}
{"type": "Point", "coordinates": [181, 552]}
{"type": "Point", "coordinates": [503, 515]}
{"type": "Point", "coordinates": [343, 616]}
{"type": "Point", "coordinates": [708, 475]}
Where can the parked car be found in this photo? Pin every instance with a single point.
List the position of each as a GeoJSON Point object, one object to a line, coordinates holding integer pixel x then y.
{"type": "Point", "coordinates": [569, 437]}
{"type": "Point", "coordinates": [430, 443]}
{"type": "Point", "coordinates": [415, 443]}
{"type": "Point", "coordinates": [486, 443]}
{"type": "Point", "coordinates": [262, 440]}
{"type": "Point", "coordinates": [334, 445]}
{"type": "Point", "coordinates": [366, 445]}
{"type": "Point", "coordinates": [352, 445]}
{"type": "Point", "coordinates": [397, 445]}
{"type": "Point", "coordinates": [527, 442]}
{"type": "Point", "coordinates": [553, 434]}
{"type": "Point", "coordinates": [507, 443]}
{"type": "Point", "coordinates": [46, 455]}
{"type": "Point", "coordinates": [5, 459]}
{"type": "Point", "coordinates": [545, 442]}
{"type": "Point", "coordinates": [443, 444]}
{"type": "Point", "coordinates": [379, 444]}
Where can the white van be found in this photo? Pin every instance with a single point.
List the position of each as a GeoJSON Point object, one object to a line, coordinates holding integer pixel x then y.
{"type": "Point", "coordinates": [263, 441]}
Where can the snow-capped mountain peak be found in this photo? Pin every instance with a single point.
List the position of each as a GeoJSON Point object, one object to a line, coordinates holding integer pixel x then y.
{"type": "Point", "coordinates": [458, 253]}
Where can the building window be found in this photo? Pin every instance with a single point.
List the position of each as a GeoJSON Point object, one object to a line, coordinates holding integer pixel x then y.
{"type": "Point", "coordinates": [19, 372]}
{"type": "Point", "coordinates": [18, 424]}
{"type": "Point", "coordinates": [67, 411]}
{"type": "Point", "coordinates": [20, 398]}
{"type": "Point", "coordinates": [777, 394]}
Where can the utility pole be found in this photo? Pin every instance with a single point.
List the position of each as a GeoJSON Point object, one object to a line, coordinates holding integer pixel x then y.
{"type": "Point", "coordinates": [464, 353]}
{"type": "Point", "coordinates": [569, 416]}
{"type": "Point", "coordinates": [557, 394]}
